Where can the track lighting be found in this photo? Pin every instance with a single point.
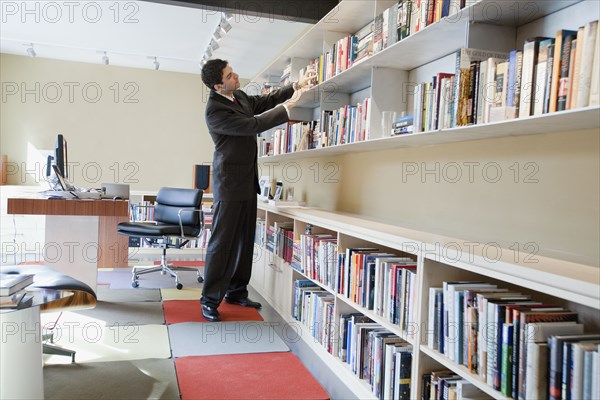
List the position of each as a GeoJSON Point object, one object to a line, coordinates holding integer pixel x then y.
{"type": "Point", "coordinates": [105, 59]}
{"type": "Point", "coordinates": [30, 51]}
{"type": "Point", "coordinates": [214, 44]}
{"type": "Point", "coordinates": [156, 64]}
{"type": "Point", "coordinates": [208, 53]}
{"type": "Point", "coordinates": [228, 16]}
{"type": "Point", "coordinates": [225, 25]}
{"type": "Point", "coordinates": [217, 35]}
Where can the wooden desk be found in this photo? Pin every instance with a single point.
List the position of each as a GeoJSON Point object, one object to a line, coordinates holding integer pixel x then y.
{"type": "Point", "coordinates": [79, 233]}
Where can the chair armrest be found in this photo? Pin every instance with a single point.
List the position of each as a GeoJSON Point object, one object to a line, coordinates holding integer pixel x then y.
{"type": "Point", "coordinates": [201, 221]}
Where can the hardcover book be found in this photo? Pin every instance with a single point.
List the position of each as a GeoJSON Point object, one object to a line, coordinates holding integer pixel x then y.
{"type": "Point", "coordinates": [12, 283]}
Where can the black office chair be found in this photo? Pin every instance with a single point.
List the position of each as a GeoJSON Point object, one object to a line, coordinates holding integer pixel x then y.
{"type": "Point", "coordinates": [177, 215]}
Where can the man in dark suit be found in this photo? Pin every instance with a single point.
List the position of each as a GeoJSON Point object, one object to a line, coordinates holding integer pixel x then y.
{"type": "Point", "coordinates": [234, 120]}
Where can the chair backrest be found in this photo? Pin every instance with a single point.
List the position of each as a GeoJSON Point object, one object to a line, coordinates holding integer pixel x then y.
{"type": "Point", "coordinates": [170, 200]}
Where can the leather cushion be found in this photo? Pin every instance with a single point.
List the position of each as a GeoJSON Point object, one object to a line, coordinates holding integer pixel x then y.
{"type": "Point", "coordinates": [47, 278]}
{"type": "Point", "coordinates": [148, 229]}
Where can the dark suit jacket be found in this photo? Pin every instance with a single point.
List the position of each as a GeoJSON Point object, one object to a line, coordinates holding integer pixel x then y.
{"type": "Point", "coordinates": [234, 128]}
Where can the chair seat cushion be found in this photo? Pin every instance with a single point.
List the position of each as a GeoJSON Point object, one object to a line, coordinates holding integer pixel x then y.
{"type": "Point", "coordinates": [47, 278]}
{"type": "Point", "coordinates": [148, 229]}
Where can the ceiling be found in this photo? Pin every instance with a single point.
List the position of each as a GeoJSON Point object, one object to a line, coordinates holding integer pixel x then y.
{"type": "Point", "coordinates": [132, 33]}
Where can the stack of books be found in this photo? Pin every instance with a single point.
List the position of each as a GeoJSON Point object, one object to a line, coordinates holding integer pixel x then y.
{"type": "Point", "coordinates": [11, 290]}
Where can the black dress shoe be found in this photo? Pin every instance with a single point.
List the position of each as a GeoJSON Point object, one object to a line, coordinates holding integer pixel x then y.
{"type": "Point", "coordinates": [246, 302]}
{"type": "Point", "coordinates": [211, 313]}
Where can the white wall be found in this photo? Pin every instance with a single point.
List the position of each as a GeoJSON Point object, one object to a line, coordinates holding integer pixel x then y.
{"type": "Point", "coordinates": [145, 127]}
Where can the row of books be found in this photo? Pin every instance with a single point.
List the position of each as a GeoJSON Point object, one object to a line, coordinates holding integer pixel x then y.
{"type": "Point", "coordinates": [506, 338]}
{"type": "Point", "coordinates": [279, 239]}
{"type": "Point", "coordinates": [372, 352]}
{"type": "Point", "coordinates": [548, 75]}
{"type": "Point", "coordinates": [295, 136]}
{"type": "Point", "coordinates": [380, 281]}
{"type": "Point", "coordinates": [446, 385]}
{"type": "Point", "coordinates": [347, 124]}
{"type": "Point", "coordinates": [376, 280]}
{"type": "Point", "coordinates": [377, 355]}
{"type": "Point", "coordinates": [140, 212]}
{"type": "Point", "coordinates": [316, 257]}
{"type": "Point", "coordinates": [393, 24]}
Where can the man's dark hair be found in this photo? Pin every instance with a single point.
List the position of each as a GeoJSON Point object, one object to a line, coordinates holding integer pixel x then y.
{"type": "Point", "coordinates": [212, 72]}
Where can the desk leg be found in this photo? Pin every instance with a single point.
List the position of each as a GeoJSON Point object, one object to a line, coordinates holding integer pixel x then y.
{"type": "Point", "coordinates": [72, 246]}
{"type": "Point", "coordinates": [21, 363]}
{"type": "Point", "coordinates": [115, 247]}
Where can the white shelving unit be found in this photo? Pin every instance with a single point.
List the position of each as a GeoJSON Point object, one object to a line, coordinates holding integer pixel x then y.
{"type": "Point", "coordinates": [439, 258]}
{"type": "Point", "coordinates": [489, 24]}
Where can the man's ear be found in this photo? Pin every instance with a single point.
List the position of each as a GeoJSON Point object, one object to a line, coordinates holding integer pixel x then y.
{"type": "Point", "coordinates": [218, 87]}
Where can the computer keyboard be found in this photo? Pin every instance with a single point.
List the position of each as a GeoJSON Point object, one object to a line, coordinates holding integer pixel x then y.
{"type": "Point", "coordinates": [70, 194]}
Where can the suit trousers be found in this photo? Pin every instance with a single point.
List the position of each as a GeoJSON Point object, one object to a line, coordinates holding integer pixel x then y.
{"type": "Point", "coordinates": [229, 252]}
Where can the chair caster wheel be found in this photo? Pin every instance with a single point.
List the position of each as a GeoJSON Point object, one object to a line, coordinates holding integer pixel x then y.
{"type": "Point", "coordinates": [200, 279]}
{"type": "Point", "coordinates": [134, 284]}
{"type": "Point", "coordinates": [179, 286]}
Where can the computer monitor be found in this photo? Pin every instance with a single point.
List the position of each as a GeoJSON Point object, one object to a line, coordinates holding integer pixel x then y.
{"type": "Point", "coordinates": [64, 185]}
{"type": "Point", "coordinates": [60, 155]}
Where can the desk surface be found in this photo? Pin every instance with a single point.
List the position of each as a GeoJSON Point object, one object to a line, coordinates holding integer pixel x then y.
{"type": "Point", "coordinates": [42, 206]}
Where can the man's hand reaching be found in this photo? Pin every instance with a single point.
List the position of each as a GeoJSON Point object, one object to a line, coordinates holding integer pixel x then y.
{"type": "Point", "coordinates": [308, 80]}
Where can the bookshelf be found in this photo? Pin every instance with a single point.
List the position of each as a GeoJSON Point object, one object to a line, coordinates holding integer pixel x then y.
{"type": "Point", "coordinates": [564, 270]}
{"type": "Point", "coordinates": [439, 258]}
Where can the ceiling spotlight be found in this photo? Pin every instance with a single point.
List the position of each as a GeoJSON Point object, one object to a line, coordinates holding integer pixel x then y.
{"type": "Point", "coordinates": [208, 53]}
{"type": "Point", "coordinates": [228, 16]}
{"type": "Point", "coordinates": [217, 35]}
{"type": "Point", "coordinates": [225, 25]}
{"type": "Point", "coordinates": [30, 51]}
{"type": "Point", "coordinates": [105, 60]}
{"type": "Point", "coordinates": [214, 44]}
{"type": "Point", "coordinates": [156, 64]}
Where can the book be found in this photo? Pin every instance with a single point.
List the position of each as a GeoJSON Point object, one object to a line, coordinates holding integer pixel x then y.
{"type": "Point", "coordinates": [12, 283]}
{"type": "Point", "coordinates": [403, 374]}
{"type": "Point", "coordinates": [403, 18]}
{"type": "Point", "coordinates": [506, 360]}
{"type": "Point", "coordinates": [565, 63]}
{"type": "Point", "coordinates": [557, 62]}
{"type": "Point", "coordinates": [576, 68]}
{"type": "Point", "coordinates": [528, 79]}
{"type": "Point", "coordinates": [588, 52]}
{"type": "Point", "coordinates": [547, 88]}
{"type": "Point", "coordinates": [11, 301]}
{"type": "Point", "coordinates": [541, 70]}
{"type": "Point", "coordinates": [595, 80]}
{"type": "Point", "coordinates": [512, 75]}
{"type": "Point", "coordinates": [537, 372]}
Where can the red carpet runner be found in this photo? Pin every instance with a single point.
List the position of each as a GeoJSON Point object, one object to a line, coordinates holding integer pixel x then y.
{"type": "Point", "coordinates": [246, 376]}
{"type": "Point", "coordinates": [276, 375]}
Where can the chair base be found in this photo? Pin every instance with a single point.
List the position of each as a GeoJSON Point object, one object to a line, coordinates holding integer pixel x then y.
{"type": "Point", "coordinates": [164, 269]}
